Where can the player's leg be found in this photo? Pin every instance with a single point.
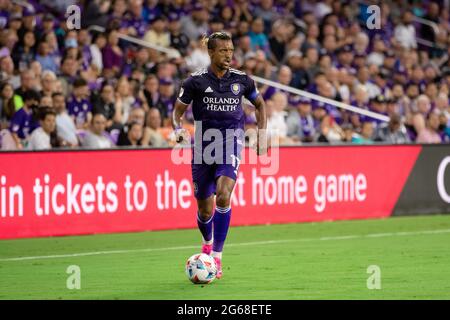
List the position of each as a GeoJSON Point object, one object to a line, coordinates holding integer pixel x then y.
{"type": "Point", "coordinates": [204, 188]}
{"type": "Point", "coordinates": [221, 218]}
{"type": "Point", "coordinates": [205, 222]}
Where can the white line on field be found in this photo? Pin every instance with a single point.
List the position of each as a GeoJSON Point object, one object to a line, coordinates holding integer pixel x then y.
{"type": "Point", "coordinates": [255, 243]}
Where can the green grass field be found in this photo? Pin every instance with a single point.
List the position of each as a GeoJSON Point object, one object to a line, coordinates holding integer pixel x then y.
{"type": "Point", "coordinates": [295, 261]}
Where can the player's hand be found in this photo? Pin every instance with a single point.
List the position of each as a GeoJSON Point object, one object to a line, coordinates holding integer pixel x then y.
{"type": "Point", "coordinates": [181, 135]}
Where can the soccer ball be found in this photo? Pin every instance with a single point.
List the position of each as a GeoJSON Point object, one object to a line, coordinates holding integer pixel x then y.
{"type": "Point", "coordinates": [201, 268]}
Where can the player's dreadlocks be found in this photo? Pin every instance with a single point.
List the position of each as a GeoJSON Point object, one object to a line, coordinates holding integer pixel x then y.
{"type": "Point", "coordinates": [211, 41]}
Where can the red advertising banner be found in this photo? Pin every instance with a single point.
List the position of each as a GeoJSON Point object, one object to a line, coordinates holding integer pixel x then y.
{"type": "Point", "coordinates": [84, 192]}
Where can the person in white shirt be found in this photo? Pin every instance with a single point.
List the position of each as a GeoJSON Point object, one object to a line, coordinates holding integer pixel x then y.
{"type": "Point", "coordinates": [96, 50]}
{"type": "Point", "coordinates": [96, 137]}
{"type": "Point", "coordinates": [276, 119]}
{"type": "Point", "coordinates": [65, 125]}
{"type": "Point", "coordinates": [405, 33]}
{"type": "Point", "coordinates": [40, 139]}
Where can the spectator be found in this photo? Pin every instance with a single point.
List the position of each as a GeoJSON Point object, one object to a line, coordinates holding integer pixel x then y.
{"type": "Point", "coordinates": [151, 90]}
{"type": "Point", "coordinates": [136, 115]}
{"type": "Point", "coordinates": [97, 137]}
{"type": "Point", "coordinates": [426, 31]}
{"type": "Point", "coordinates": [300, 77]}
{"type": "Point", "coordinates": [134, 17]}
{"type": "Point", "coordinates": [394, 132]}
{"type": "Point", "coordinates": [106, 104]}
{"type": "Point", "coordinates": [330, 131]}
{"type": "Point", "coordinates": [99, 42]}
{"type": "Point", "coordinates": [78, 105]}
{"type": "Point", "coordinates": [125, 100]}
{"type": "Point", "coordinates": [198, 58]}
{"type": "Point", "coordinates": [366, 136]}
{"type": "Point", "coordinates": [7, 104]}
{"type": "Point", "coordinates": [7, 70]}
{"type": "Point", "coordinates": [27, 82]}
{"type": "Point", "coordinates": [45, 59]}
{"type": "Point", "coordinates": [276, 119]}
{"type": "Point", "coordinates": [47, 26]}
{"type": "Point", "coordinates": [96, 13]}
{"type": "Point", "coordinates": [300, 122]}
{"type": "Point", "coordinates": [158, 33]}
{"type": "Point", "coordinates": [46, 101]}
{"type": "Point", "coordinates": [195, 25]}
{"type": "Point", "coordinates": [423, 105]}
{"type": "Point", "coordinates": [363, 78]}
{"type": "Point", "coordinates": [348, 133]}
{"type": "Point", "coordinates": [278, 40]}
{"type": "Point", "coordinates": [22, 123]}
{"type": "Point", "coordinates": [24, 51]}
{"type": "Point", "coordinates": [258, 39]}
{"type": "Point", "coordinates": [405, 33]}
{"type": "Point", "coordinates": [48, 83]}
{"type": "Point", "coordinates": [44, 137]}
{"type": "Point", "coordinates": [155, 135]}
{"type": "Point", "coordinates": [68, 74]}
{"type": "Point", "coordinates": [112, 55]}
{"type": "Point", "coordinates": [430, 133]}
{"type": "Point", "coordinates": [178, 39]}
{"type": "Point", "coordinates": [166, 98]}
{"type": "Point", "coordinates": [65, 126]}
{"type": "Point", "coordinates": [140, 63]}
{"type": "Point", "coordinates": [284, 76]}
{"type": "Point", "coordinates": [135, 132]}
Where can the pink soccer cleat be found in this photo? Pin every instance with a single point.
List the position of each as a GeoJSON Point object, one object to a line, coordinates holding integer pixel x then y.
{"type": "Point", "coordinates": [219, 267]}
{"type": "Point", "coordinates": [207, 248]}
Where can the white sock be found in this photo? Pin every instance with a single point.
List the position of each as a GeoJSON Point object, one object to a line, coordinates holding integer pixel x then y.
{"type": "Point", "coordinates": [210, 242]}
{"type": "Point", "coordinates": [215, 254]}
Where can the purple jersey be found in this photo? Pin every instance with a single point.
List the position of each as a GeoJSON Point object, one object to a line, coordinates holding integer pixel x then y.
{"type": "Point", "coordinates": [22, 123]}
{"type": "Point", "coordinates": [217, 104]}
{"type": "Point", "coordinates": [79, 109]}
{"type": "Point", "coordinates": [4, 17]}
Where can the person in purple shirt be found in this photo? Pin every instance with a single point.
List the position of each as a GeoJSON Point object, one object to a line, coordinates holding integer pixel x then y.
{"type": "Point", "coordinates": [151, 10]}
{"type": "Point", "coordinates": [78, 105]}
{"type": "Point", "coordinates": [216, 95]}
{"type": "Point", "coordinates": [112, 55]}
{"type": "Point", "coordinates": [22, 122]}
{"type": "Point", "coordinates": [135, 19]}
{"type": "Point", "coordinates": [167, 97]}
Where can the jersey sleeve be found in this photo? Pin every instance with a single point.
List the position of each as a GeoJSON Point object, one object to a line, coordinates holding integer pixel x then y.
{"type": "Point", "coordinates": [187, 91]}
{"type": "Point", "coordinates": [251, 91]}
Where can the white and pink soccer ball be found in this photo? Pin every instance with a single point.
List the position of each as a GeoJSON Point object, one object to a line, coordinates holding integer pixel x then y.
{"type": "Point", "coordinates": [201, 268]}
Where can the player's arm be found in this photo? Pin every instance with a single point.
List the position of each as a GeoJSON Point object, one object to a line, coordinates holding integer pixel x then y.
{"type": "Point", "coordinates": [181, 104]}
{"type": "Point", "coordinates": [178, 112]}
{"type": "Point", "coordinates": [261, 118]}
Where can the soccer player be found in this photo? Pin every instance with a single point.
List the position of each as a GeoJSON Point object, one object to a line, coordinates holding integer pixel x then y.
{"type": "Point", "coordinates": [216, 94]}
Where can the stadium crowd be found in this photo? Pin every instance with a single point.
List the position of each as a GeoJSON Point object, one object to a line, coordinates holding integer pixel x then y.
{"type": "Point", "coordinates": [83, 88]}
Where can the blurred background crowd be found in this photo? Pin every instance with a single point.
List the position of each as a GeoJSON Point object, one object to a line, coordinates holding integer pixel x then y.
{"type": "Point", "coordinates": [84, 88]}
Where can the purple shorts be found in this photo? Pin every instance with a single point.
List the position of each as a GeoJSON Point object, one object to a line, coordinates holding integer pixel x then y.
{"type": "Point", "coordinates": [205, 175]}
